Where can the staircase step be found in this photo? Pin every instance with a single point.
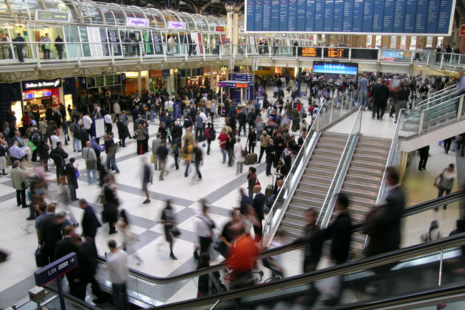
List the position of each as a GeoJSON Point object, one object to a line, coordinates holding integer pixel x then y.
{"type": "Point", "coordinates": [362, 201]}
{"type": "Point", "coordinates": [366, 185]}
{"type": "Point", "coordinates": [334, 153]}
{"type": "Point", "coordinates": [322, 171]}
{"type": "Point", "coordinates": [360, 192]}
{"type": "Point", "coordinates": [328, 158]}
{"type": "Point", "coordinates": [317, 178]}
{"type": "Point", "coordinates": [312, 185]}
{"type": "Point", "coordinates": [362, 178]}
{"type": "Point", "coordinates": [301, 207]}
{"type": "Point", "coordinates": [367, 172]}
{"type": "Point", "coordinates": [330, 145]}
{"type": "Point", "coordinates": [370, 157]}
{"type": "Point", "coordinates": [315, 193]}
{"type": "Point", "coordinates": [293, 223]}
{"type": "Point", "coordinates": [372, 151]}
{"type": "Point", "coordinates": [368, 164]}
{"type": "Point", "coordinates": [374, 142]}
{"type": "Point", "coordinates": [315, 199]}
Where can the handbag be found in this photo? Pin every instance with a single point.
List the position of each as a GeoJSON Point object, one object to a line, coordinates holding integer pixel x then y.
{"type": "Point", "coordinates": [152, 158]}
{"type": "Point", "coordinates": [244, 153]}
{"type": "Point", "coordinates": [175, 231]}
{"type": "Point", "coordinates": [41, 258]}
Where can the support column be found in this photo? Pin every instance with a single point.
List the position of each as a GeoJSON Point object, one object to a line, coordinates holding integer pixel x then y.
{"type": "Point", "coordinates": [211, 78]}
{"type": "Point", "coordinates": [139, 82]}
{"type": "Point", "coordinates": [229, 25]}
{"type": "Point", "coordinates": [235, 30]}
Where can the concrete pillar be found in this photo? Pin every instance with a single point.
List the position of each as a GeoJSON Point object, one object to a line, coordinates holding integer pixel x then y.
{"type": "Point", "coordinates": [211, 78]}
{"type": "Point", "coordinates": [139, 82]}
{"type": "Point", "coordinates": [462, 44]}
{"type": "Point", "coordinates": [235, 30]}
{"type": "Point", "coordinates": [147, 81]}
{"type": "Point", "coordinates": [229, 25]}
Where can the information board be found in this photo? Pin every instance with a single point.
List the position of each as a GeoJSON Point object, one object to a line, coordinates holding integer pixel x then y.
{"type": "Point", "coordinates": [335, 68]}
{"type": "Point", "coordinates": [387, 17]}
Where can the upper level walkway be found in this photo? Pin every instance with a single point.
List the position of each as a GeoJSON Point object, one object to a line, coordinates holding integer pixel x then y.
{"type": "Point", "coordinates": [82, 59]}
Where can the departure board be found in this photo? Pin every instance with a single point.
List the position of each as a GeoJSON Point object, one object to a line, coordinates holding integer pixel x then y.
{"type": "Point", "coordinates": [387, 17]}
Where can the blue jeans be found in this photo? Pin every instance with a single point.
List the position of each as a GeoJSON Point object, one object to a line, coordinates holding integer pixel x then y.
{"type": "Point", "coordinates": [152, 115]}
{"type": "Point", "coordinates": [66, 138]}
{"type": "Point", "coordinates": [363, 98]}
{"type": "Point", "coordinates": [223, 151]}
{"type": "Point", "coordinates": [197, 169]}
{"type": "Point", "coordinates": [111, 161]}
{"type": "Point", "coordinates": [120, 296]}
{"type": "Point", "coordinates": [268, 167]}
{"type": "Point", "coordinates": [76, 144]}
{"type": "Point", "coordinates": [441, 192]}
{"type": "Point", "coordinates": [207, 112]}
{"type": "Point", "coordinates": [94, 176]}
{"type": "Point", "coordinates": [186, 174]}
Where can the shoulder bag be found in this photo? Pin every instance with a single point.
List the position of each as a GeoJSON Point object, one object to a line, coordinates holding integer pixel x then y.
{"type": "Point", "coordinates": [90, 164]}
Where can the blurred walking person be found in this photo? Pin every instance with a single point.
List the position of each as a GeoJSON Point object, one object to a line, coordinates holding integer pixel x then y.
{"type": "Point", "coordinates": [146, 179]}
{"type": "Point", "coordinates": [445, 182]}
{"type": "Point", "coordinates": [117, 267]}
{"type": "Point", "coordinates": [204, 228]}
{"type": "Point", "coordinates": [168, 220]}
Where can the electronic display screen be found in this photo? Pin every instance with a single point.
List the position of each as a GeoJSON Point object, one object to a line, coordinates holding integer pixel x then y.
{"type": "Point", "coordinates": [387, 17]}
{"type": "Point", "coordinates": [29, 96]}
{"type": "Point", "coordinates": [335, 68]}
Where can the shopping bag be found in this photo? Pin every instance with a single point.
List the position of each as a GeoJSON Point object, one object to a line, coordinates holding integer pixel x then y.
{"type": "Point", "coordinates": [152, 158]}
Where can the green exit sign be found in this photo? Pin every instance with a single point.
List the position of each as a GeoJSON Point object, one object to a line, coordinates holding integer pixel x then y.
{"type": "Point", "coordinates": [51, 16]}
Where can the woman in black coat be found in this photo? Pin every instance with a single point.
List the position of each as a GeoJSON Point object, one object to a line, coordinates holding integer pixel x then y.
{"type": "Point", "coordinates": [251, 140]}
{"type": "Point", "coordinates": [42, 151]}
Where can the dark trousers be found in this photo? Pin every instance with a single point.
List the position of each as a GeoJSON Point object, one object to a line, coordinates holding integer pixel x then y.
{"type": "Point", "coordinates": [83, 144]}
{"type": "Point", "coordinates": [423, 160]}
{"type": "Point", "coordinates": [262, 150]}
{"type": "Point", "coordinates": [441, 192]}
{"type": "Point", "coordinates": [80, 291]}
{"type": "Point", "coordinates": [447, 143]}
{"type": "Point", "coordinates": [112, 219]}
{"type": "Point", "coordinates": [197, 169]}
{"type": "Point", "coordinates": [122, 141]}
{"type": "Point", "coordinates": [60, 53]}
{"type": "Point", "coordinates": [140, 147]}
{"type": "Point", "coordinates": [21, 197]}
{"type": "Point", "coordinates": [268, 167]}
{"type": "Point", "coordinates": [59, 171]}
{"type": "Point", "coordinates": [108, 127]}
{"type": "Point", "coordinates": [19, 53]}
{"type": "Point", "coordinates": [230, 156]}
{"type": "Point", "coordinates": [72, 192]}
{"type": "Point", "coordinates": [251, 148]}
{"type": "Point", "coordinates": [277, 155]}
{"type": "Point", "coordinates": [204, 244]}
{"type": "Point", "coordinates": [46, 53]}
{"type": "Point", "coordinates": [198, 131]}
{"type": "Point", "coordinates": [208, 148]}
{"type": "Point", "coordinates": [240, 127]}
{"type": "Point", "coordinates": [379, 109]}
{"type": "Point", "coordinates": [120, 296]}
{"type": "Point", "coordinates": [176, 156]}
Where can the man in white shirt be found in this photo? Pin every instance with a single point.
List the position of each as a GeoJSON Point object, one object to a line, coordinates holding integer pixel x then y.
{"type": "Point", "coordinates": [108, 125]}
{"type": "Point", "coordinates": [54, 138]}
{"type": "Point", "coordinates": [204, 118]}
{"type": "Point", "coordinates": [116, 110]}
{"type": "Point", "coordinates": [117, 267]}
{"type": "Point", "coordinates": [170, 105]}
{"type": "Point", "coordinates": [87, 123]}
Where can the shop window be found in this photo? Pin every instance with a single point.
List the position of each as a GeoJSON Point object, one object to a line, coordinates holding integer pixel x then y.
{"type": "Point", "coordinates": [393, 42]}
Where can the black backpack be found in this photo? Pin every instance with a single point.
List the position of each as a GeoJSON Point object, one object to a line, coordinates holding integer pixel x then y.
{"type": "Point", "coordinates": [36, 138]}
{"type": "Point", "coordinates": [212, 134]}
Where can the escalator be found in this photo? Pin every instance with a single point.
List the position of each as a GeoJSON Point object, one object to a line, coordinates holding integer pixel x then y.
{"type": "Point", "coordinates": [413, 271]}
{"type": "Point", "coordinates": [148, 289]}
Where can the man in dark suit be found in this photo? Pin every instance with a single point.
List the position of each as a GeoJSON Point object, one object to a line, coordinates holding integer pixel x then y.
{"type": "Point", "coordinates": [50, 232]}
{"type": "Point", "coordinates": [72, 179]}
{"type": "Point", "coordinates": [85, 272]}
{"type": "Point", "coordinates": [65, 246]}
{"type": "Point", "coordinates": [381, 96]}
{"type": "Point", "coordinates": [83, 136]}
{"type": "Point", "coordinates": [374, 89]}
{"type": "Point", "coordinates": [17, 137]}
{"type": "Point", "coordinates": [89, 223]}
{"type": "Point", "coordinates": [257, 204]}
{"type": "Point", "coordinates": [383, 222]}
{"type": "Point", "coordinates": [59, 155]}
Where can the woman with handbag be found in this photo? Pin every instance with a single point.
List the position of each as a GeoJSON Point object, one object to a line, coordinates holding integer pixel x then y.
{"type": "Point", "coordinates": [169, 220]}
{"type": "Point", "coordinates": [445, 182]}
{"type": "Point", "coordinates": [110, 203]}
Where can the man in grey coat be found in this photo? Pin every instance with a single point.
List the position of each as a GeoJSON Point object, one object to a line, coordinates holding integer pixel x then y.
{"type": "Point", "coordinates": [20, 184]}
{"type": "Point", "coordinates": [155, 144]}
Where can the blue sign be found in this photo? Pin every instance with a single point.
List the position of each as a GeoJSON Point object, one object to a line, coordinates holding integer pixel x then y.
{"type": "Point", "coordinates": [427, 17]}
{"type": "Point", "coordinates": [165, 73]}
{"type": "Point", "coordinates": [177, 110]}
{"type": "Point", "coordinates": [55, 269]}
{"type": "Point", "coordinates": [335, 68]}
{"type": "Point", "coordinates": [393, 54]}
{"type": "Point", "coordinates": [242, 77]}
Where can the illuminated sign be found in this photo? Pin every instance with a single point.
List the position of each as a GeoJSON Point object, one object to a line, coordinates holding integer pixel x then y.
{"type": "Point", "coordinates": [220, 29]}
{"type": "Point", "coordinates": [176, 25]}
{"type": "Point", "coordinates": [309, 52]}
{"type": "Point", "coordinates": [462, 30]}
{"type": "Point", "coordinates": [139, 22]}
{"type": "Point", "coordinates": [336, 53]}
{"type": "Point", "coordinates": [51, 16]}
{"type": "Point", "coordinates": [335, 68]}
{"type": "Point", "coordinates": [224, 68]}
{"type": "Point", "coordinates": [41, 84]}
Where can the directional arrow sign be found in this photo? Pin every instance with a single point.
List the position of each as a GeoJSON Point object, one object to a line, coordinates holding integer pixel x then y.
{"type": "Point", "coordinates": [56, 269]}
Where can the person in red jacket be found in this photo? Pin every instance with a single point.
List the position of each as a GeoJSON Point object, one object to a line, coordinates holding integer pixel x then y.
{"type": "Point", "coordinates": [222, 140]}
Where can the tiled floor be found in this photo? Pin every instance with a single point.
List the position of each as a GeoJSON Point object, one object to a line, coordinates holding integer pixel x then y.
{"type": "Point", "coordinates": [219, 187]}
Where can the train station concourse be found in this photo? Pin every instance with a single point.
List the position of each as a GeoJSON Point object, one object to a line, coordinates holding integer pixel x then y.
{"type": "Point", "coordinates": [238, 154]}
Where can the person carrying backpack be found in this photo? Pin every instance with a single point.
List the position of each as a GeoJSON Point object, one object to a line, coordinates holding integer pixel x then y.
{"type": "Point", "coordinates": [35, 137]}
{"type": "Point", "coordinates": [210, 135]}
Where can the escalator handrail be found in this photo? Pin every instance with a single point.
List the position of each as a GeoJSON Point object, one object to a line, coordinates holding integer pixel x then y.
{"type": "Point", "coordinates": [347, 268]}
{"type": "Point", "coordinates": [286, 248]}
{"type": "Point", "coordinates": [438, 94]}
{"type": "Point", "coordinates": [443, 103]}
{"type": "Point", "coordinates": [72, 299]}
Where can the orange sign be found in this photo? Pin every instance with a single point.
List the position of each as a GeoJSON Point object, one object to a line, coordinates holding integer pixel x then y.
{"type": "Point", "coordinates": [309, 52]}
{"type": "Point", "coordinates": [156, 74]}
{"type": "Point", "coordinates": [220, 29]}
{"type": "Point", "coordinates": [335, 52]}
{"type": "Point", "coordinates": [462, 30]}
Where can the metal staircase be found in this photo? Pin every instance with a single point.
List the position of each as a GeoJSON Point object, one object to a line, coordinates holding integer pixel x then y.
{"type": "Point", "coordinates": [315, 182]}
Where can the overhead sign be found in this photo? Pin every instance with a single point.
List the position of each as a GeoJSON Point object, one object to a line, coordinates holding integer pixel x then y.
{"type": "Point", "coordinates": [138, 22]}
{"type": "Point", "coordinates": [176, 25]}
{"type": "Point", "coordinates": [462, 30]}
{"type": "Point", "coordinates": [335, 68]}
{"type": "Point", "coordinates": [310, 51]}
{"type": "Point", "coordinates": [242, 77]}
{"type": "Point", "coordinates": [336, 52]}
{"type": "Point", "coordinates": [220, 29]}
{"type": "Point", "coordinates": [224, 68]}
{"type": "Point", "coordinates": [231, 84]}
{"type": "Point", "coordinates": [393, 54]}
{"type": "Point", "coordinates": [55, 269]}
{"type": "Point", "coordinates": [36, 84]}
{"type": "Point", "coordinates": [159, 73]}
{"type": "Point", "coordinates": [387, 17]}
{"type": "Point", "coordinates": [51, 16]}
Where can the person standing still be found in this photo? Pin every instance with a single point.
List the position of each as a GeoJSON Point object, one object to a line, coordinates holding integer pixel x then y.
{"type": "Point", "coordinates": [424, 153]}
{"type": "Point", "coordinates": [238, 156]}
{"type": "Point", "coordinates": [20, 184]}
{"type": "Point", "coordinates": [72, 179]}
{"type": "Point", "coordinates": [117, 267]}
{"type": "Point", "coordinates": [155, 144]}
{"type": "Point", "coordinates": [363, 90]}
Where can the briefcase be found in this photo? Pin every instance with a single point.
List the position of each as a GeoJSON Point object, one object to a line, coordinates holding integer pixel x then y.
{"type": "Point", "coordinates": [41, 258]}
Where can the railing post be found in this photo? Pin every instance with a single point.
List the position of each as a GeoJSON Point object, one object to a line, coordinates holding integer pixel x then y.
{"type": "Point", "coordinates": [350, 53]}
{"type": "Point", "coordinates": [246, 52]}
{"type": "Point", "coordinates": [427, 58]}
{"type": "Point", "coordinates": [342, 105]}
{"type": "Point", "coordinates": [79, 54]}
{"type": "Point", "coordinates": [442, 60]}
{"type": "Point", "coordinates": [270, 47]}
{"type": "Point", "coordinates": [141, 59]}
{"type": "Point", "coordinates": [220, 51]}
{"type": "Point", "coordinates": [112, 54]}
{"type": "Point", "coordinates": [164, 52]}
{"type": "Point", "coordinates": [39, 65]}
{"type": "Point", "coordinates": [459, 112]}
{"type": "Point", "coordinates": [331, 112]}
{"type": "Point", "coordinates": [459, 60]}
{"type": "Point", "coordinates": [411, 58]}
{"type": "Point", "coordinates": [420, 125]}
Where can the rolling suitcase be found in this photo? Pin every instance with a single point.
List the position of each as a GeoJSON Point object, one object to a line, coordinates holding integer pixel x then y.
{"type": "Point", "coordinates": [269, 188]}
{"type": "Point", "coordinates": [250, 159]}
